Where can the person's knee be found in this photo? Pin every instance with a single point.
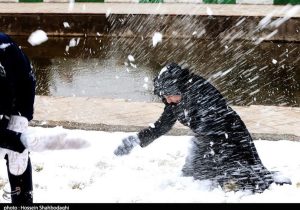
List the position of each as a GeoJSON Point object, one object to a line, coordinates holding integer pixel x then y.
{"type": "Point", "coordinates": [17, 162]}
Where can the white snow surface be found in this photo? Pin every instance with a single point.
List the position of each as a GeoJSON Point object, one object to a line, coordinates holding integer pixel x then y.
{"type": "Point", "coordinates": [82, 168]}
{"type": "Point", "coordinates": [37, 37]}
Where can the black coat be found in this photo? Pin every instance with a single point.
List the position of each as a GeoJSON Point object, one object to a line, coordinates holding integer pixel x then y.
{"type": "Point", "coordinates": [17, 89]}
{"type": "Point", "coordinates": [222, 147]}
{"type": "Point", "coordinates": [17, 81]}
{"type": "Point", "coordinates": [203, 109]}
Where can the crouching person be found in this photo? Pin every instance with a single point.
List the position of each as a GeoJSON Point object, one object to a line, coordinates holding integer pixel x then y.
{"type": "Point", "coordinates": [222, 149]}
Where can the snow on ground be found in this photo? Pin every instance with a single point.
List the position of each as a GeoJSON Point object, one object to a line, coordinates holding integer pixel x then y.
{"type": "Point", "coordinates": [93, 174]}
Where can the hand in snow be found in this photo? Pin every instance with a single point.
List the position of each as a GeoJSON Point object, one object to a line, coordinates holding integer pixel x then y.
{"type": "Point", "coordinates": [127, 145]}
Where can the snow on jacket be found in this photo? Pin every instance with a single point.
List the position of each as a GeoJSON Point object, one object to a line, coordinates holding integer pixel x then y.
{"type": "Point", "coordinates": [17, 90]}
{"type": "Point", "coordinates": [202, 108]}
{"type": "Point", "coordinates": [17, 81]}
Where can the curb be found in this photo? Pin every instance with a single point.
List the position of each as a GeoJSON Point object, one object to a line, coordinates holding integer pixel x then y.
{"type": "Point", "coordinates": [123, 128]}
{"type": "Point", "coordinates": [272, 2]}
{"type": "Point", "coordinates": [119, 115]}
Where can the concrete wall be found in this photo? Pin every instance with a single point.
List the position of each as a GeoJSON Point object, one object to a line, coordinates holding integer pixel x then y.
{"type": "Point", "coordinates": [245, 22]}
{"type": "Point", "coordinates": [275, 2]}
{"type": "Point", "coordinates": [179, 26]}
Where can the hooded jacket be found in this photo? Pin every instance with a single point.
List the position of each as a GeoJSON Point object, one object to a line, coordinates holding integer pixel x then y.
{"type": "Point", "coordinates": [223, 149]}
{"type": "Point", "coordinates": [202, 107]}
{"type": "Point", "coordinates": [17, 81]}
{"type": "Point", "coordinates": [17, 90]}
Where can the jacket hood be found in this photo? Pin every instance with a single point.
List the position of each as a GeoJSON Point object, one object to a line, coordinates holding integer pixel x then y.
{"type": "Point", "coordinates": [169, 81]}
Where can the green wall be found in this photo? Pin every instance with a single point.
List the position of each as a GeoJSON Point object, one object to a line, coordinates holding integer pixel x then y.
{"type": "Point", "coordinates": [219, 1]}
{"type": "Point", "coordinates": [151, 1]}
{"type": "Point", "coordinates": [286, 1]}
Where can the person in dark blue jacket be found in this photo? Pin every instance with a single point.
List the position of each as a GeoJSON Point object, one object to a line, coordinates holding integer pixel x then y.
{"type": "Point", "coordinates": [222, 149]}
{"type": "Point", "coordinates": [17, 94]}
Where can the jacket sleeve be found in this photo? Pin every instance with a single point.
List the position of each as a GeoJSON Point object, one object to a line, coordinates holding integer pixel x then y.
{"type": "Point", "coordinates": [10, 139]}
{"type": "Point", "coordinates": [22, 81]}
{"type": "Point", "coordinates": [161, 126]}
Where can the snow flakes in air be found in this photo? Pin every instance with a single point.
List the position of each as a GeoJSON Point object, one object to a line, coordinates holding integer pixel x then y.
{"type": "Point", "coordinates": [157, 37]}
{"type": "Point", "coordinates": [131, 58]}
{"type": "Point", "coordinates": [146, 80]}
{"type": "Point", "coordinates": [162, 71]}
{"type": "Point", "coordinates": [268, 36]}
{"type": "Point", "coordinates": [209, 11]}
{"type": "Point", "coordinates": [71, 5]}
{"type": "Point", "coordinates": [37, 37]}
{"type": "Point", "coordinates": [4, 45]}
{"type": "Point", "coordinates": [131, 61]}
{"type": "Point", "coordinates": [73, 42]}
{"type": "Point", "coordinates": [254, 92]}
{"type": "Point", "coordinates": [108, 11]}
{"type": "Point", "coordinates": [288, 12]}
{"type": "Point", "coordinates": [199, 34]}
{"type": "Point", "coordinates": [152, 125]}
{"type": "Point", "coordinates": [66, 25]}
{"type": "Point", "coordinates": [133, 65]}
{"type": "Point", "coordinates": [2, 71]}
